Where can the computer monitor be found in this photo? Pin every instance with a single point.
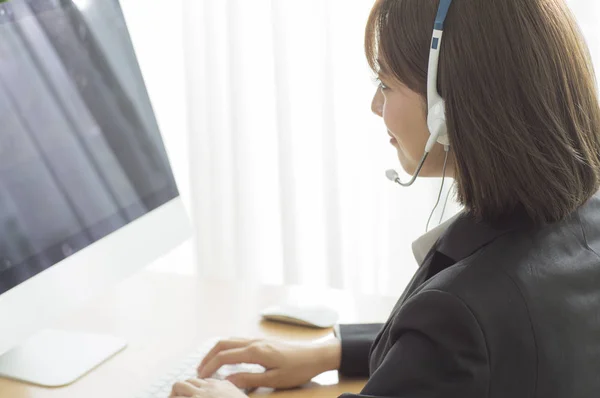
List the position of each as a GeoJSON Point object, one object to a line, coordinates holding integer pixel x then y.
{"type": "Point", "coordinates": [87, 194]}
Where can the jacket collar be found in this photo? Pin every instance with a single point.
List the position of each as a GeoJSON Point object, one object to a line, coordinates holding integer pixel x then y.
{"type": "Point", "coordinates": [465, 235]}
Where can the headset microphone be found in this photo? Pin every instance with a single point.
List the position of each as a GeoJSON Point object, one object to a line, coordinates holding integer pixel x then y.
{"type": "Point", "coordinates": [391, 175]}
{"type": "Point", "coordinates": [436, 116]}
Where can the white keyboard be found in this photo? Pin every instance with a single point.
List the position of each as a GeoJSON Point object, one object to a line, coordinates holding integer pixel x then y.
{"type": "Point", "coordinates": [187, 369]}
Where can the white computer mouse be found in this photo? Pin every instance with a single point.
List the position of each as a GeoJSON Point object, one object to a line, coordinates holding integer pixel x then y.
{"type": "Point", "coordinates": [311, 316]}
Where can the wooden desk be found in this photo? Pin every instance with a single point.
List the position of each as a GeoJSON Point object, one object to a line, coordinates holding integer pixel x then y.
{"type": "Point", "coordinates": [165, 316]}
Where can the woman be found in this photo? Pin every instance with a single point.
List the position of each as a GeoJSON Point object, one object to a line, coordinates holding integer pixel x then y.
{"type": "Point", "coordinates": [507, 301]}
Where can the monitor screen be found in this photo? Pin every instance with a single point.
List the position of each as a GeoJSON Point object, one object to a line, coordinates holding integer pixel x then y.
{"type": "Point", "coordinates": [81, 154]}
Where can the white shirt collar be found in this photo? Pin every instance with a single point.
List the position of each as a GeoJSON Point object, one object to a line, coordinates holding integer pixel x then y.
{"type": "Point", "coordinates": [423, 244]}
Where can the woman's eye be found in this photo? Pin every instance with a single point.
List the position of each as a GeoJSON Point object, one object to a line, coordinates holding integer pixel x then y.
{"type": "Point", "coordinates": [381, 84]}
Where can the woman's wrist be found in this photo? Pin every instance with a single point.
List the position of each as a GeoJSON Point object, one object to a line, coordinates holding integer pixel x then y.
{"type": "Point", "coordinates": [331, 354]}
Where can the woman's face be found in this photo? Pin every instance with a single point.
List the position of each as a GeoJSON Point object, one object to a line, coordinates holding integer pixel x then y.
{"type": "Point", "coordinates": [404, 113]}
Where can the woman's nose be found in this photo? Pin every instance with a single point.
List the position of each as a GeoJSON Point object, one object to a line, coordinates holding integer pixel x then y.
{"type": "Point", "coordinates": [377, 103]}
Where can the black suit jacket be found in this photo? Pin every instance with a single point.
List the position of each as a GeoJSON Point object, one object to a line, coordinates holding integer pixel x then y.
{"type": "Point", "coordinates": [508, 312]}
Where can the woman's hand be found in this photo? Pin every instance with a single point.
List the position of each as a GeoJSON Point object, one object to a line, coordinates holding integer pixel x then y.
{"type": "Point", "coordinates": [209, 388]}
{"type": "Point", "coordinates": [287, 365]}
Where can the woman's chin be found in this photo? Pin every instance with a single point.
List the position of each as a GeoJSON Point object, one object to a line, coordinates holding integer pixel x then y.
{"type": "Point", "coordinates": [432, 168]}
{"type": "Point", "coordinates": [408, 166]}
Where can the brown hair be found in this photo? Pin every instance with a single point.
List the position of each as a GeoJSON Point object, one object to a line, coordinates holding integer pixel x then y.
{"type": "Point", "coordinates": [521, 102]}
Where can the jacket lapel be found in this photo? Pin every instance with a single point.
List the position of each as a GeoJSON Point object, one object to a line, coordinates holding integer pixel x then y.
{"type": "Point", "coordinates": [455, 240]}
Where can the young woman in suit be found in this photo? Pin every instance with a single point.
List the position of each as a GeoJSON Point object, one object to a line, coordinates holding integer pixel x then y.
{"type": "Point", "coordinates": [507, 301]}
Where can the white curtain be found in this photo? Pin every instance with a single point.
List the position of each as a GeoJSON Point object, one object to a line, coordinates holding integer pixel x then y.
{"type": "Point", "coordinates": [289, 164]}
{"type": "Point", "coordinates": [282, 163]}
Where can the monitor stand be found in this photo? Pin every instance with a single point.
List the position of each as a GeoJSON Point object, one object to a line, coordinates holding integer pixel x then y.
{"type": "Point", "coordinates": [55, 358]}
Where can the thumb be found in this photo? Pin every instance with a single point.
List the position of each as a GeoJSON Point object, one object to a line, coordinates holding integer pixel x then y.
{"type": "Point", "coordinates": [254, 380]}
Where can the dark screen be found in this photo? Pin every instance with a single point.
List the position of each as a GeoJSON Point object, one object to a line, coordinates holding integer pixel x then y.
{"type": "Point", "coordinates": [80, 151]}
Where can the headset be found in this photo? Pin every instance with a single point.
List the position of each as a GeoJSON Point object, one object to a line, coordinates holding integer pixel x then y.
{"type": "Point", "coordinates": [436, 109]}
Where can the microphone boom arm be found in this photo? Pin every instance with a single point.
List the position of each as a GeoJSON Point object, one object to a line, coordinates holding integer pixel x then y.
{"type": "Point", "coordinates": [393, 176]}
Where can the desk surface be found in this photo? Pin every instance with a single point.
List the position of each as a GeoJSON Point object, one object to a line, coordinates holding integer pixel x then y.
{"type": "Point", "coordinates": [165, 316]}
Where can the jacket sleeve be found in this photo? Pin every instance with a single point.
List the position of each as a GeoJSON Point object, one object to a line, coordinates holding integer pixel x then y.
{"type": "Point", "coordinates": [356, 343]}
{"type": "Point", "coordinates": [436, 349]}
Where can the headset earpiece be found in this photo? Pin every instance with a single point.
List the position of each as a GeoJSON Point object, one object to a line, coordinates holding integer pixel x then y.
{"type": "Point", "coordinates": [436, 122]}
